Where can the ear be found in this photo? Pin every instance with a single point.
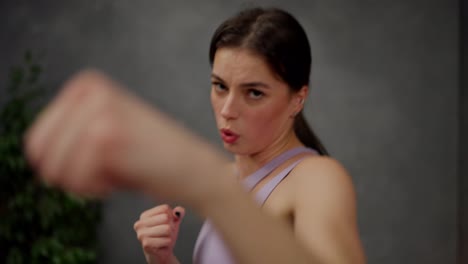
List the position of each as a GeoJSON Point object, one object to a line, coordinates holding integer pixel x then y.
{"type": "Point", "coordinates": [300, 97]}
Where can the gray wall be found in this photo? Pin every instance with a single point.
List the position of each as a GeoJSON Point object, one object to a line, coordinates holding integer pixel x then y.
{"type": "Point", "coordinates": [463, 146]}
{"type": "Point", "coordinates": [385, 97]}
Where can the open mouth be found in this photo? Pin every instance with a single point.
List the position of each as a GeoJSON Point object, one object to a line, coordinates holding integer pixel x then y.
{"type": "Point", "coordinates": [228, 136]}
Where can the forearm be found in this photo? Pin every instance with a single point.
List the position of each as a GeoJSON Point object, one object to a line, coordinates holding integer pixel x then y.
{"type": "Point", "coordinates": [251, 234]}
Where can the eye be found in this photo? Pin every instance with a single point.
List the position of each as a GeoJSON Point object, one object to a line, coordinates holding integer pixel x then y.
{"type": "Point", "coordinates": [219, 86]}
{"type": "Point", "coordinates": [255, 94]}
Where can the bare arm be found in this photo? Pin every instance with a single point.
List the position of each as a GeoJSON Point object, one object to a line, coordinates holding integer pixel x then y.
{"type": "Point", "coordinates": [325, 229]}
{"type": "Point", "coordinates": [325, 211]}
{"type": "Point", "coordinates": [96, 137]}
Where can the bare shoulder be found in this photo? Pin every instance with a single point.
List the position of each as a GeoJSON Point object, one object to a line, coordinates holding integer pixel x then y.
{"type": "Point", "coordinates": [325, 216]}
{"type": "Point", "coordinates": [322, 169]}
{"type": "Point", "coordinates": [324, 180]}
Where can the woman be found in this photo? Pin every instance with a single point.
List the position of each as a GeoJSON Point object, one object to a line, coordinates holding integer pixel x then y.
{"type": "Point", "coordinates": [261, 64]}
{"type": "Point", "coordinates": [260, 74]}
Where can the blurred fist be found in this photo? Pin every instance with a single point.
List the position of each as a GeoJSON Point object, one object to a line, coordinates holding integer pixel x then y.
{"type": "Point", "coordinates": [157, 231]}
{"type": "Point", "coordinates": [95, 137]}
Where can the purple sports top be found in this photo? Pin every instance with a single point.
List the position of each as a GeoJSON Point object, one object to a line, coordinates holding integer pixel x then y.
{"type": "Point", "coordinates": [209, 247]}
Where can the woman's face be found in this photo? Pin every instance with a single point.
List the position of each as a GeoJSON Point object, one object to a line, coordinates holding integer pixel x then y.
{"type": "Point", "coordinates": [252, 106]}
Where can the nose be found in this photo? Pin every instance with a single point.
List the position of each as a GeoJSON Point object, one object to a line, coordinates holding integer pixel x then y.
{"type": "Point", "coordinates": [230, 107]}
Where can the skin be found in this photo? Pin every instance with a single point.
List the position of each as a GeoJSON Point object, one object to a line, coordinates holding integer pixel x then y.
{"type": "Point", "coordinates": [96, 137]}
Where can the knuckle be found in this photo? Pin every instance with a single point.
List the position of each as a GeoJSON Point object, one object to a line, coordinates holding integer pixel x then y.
{"type": "Point", "coordinates": [165, 207]}
{"type": "Point", "coordinates": [155, 211]}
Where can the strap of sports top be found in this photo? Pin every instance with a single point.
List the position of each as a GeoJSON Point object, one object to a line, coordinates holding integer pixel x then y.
{"type": "Point", "coordinates": [257, 176]}
{"type": "Point", "coordinates": [250, 183]}
{"type": "Point", "coordinates": [263, 194]}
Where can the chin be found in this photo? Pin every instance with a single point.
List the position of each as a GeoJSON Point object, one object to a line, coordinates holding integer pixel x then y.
{"type": "Point", "coordinates": [238, 149]}
{"type": "Point", "coordinates": [233, 148]}
{"type": "Point", "coordinates": [230, 147]}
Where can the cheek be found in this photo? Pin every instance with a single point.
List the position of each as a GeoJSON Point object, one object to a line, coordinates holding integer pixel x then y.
{"type": "Point", "coordinates": [267, 122]}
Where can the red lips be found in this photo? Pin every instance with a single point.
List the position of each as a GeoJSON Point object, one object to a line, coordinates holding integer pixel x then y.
{"type": "Point", "coordinates": [228, 136]}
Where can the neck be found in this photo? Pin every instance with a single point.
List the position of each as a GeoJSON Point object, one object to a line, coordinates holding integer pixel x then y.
{"type": "Point", "coordinates": [248, 164]}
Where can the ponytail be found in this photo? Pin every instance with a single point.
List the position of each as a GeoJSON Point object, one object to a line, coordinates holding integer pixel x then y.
{"type": "Point", "coordinates": [307, 136]}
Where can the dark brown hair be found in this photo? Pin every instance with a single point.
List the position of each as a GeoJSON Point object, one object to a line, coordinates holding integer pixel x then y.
{"type": "Point", "coordinates": [276, 36]}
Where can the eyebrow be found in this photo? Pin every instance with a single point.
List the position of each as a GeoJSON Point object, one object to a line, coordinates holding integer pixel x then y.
{"type": "Point", "coordinates": [247, 84]}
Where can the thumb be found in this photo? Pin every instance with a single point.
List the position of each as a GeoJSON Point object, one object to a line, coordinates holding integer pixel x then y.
{"type": "Point", "coordinates": [178, 213]}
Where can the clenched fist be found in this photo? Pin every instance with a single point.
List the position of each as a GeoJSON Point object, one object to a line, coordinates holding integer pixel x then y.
{"type": "Point", "coordinates": [95, 137]}
{"type": "Point", "coordinates": [157, 231]}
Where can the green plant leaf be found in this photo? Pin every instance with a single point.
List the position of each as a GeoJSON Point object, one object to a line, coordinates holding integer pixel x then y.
{"type": "Point", "coordinates": [38, 224]}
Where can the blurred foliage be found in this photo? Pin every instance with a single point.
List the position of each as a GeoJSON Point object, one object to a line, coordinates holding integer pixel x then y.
{"type": "Point", "coordinates": [38, 224]}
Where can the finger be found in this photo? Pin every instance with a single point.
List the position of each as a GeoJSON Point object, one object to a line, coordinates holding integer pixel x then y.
{"type": "Point", "coordinates": [163, 208]}
{"type": "Point", "coordinates": [152, 221]}
{"type": "Point", "coordinates": [179, 213]}
{"type": "Point", "coordinates": [155, 231]}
